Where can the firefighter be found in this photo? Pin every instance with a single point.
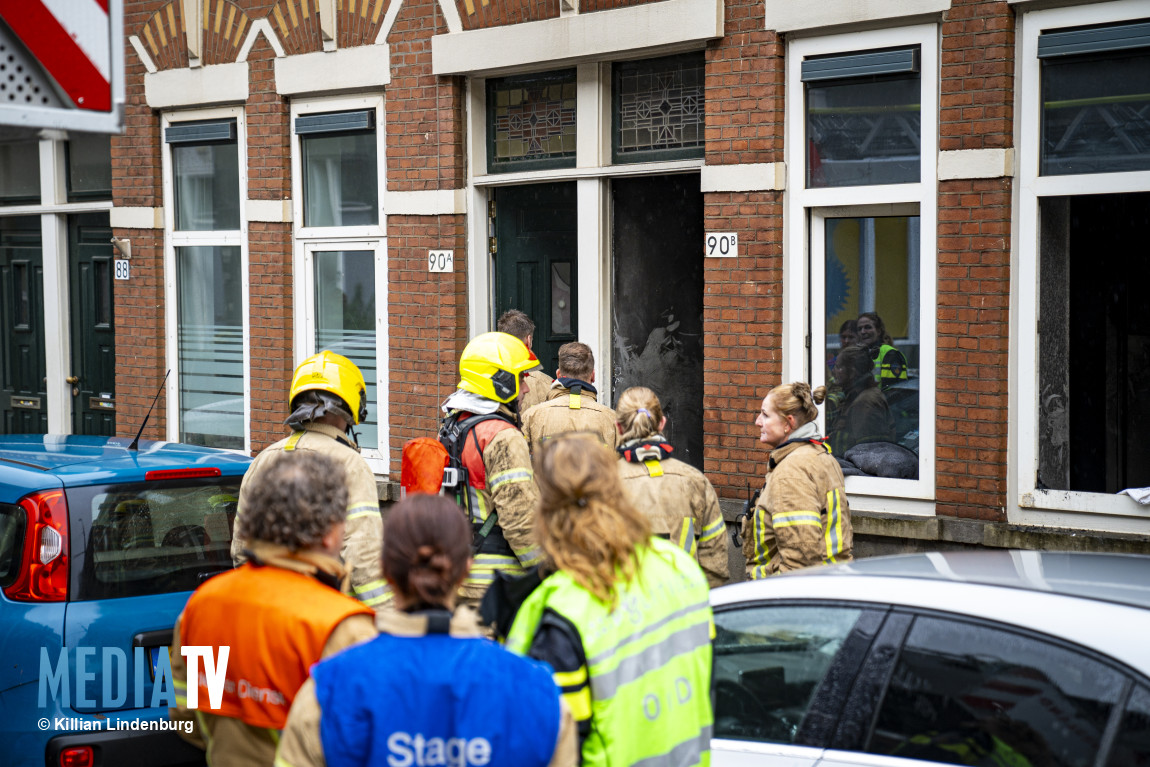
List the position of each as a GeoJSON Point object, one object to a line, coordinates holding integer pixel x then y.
{"type": "Point", "coordinates": [491, 373]}
{"type": "Point", "coordinates": [279, 613]}
{"type": "Point", "coordinates": [624, 621]}
{"type": "Point", "coordinates": [571, 404]}
{"type": "Point", "coordinates": [518, 324]}
{"type": "Point", "coordinates": [327, 398]}
{"type": "Point", "coordinates": [801, 517]}
{"type": "Point", "coordinates": [428, 689]}
{"type": "Point", "coordinates": [676, 498]}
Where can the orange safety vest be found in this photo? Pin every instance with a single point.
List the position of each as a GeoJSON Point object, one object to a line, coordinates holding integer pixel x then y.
{"type": "Point", "coordinates": [276, 622]}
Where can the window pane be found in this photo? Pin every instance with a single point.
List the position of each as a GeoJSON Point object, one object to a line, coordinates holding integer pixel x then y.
{"type": "Point", "coordinates": [152, 539]}
{"type": "Point", "coordinates": [659, 107]}
{"type": "Point", "coordinates": [531, 122]}
{"type": "Point", "coordinates": [345, 322]}
{"type": "Point", "coordinates": [560, 298]}
{"type": "Point", "coordinates": [89, 166]}
{"type": "Point", "coordinates": [20, 173]}
{"type": "Point", "coordinates": [211, 346]}
{"type": "Point", "coordinates": [1094, 344]}
{"type": "Point", "coordinates": [768, 663]}
{"type": "Point", "coordinates": [1096, 114]}
{"type": "Point", "coordinates": [864, 130]}
{"type": "Point", "coordinates": [872, 344]}
{"type": "Point", "coordinates": [341, 186]}
{"type": "Point", "coordinates": [966, 694]}
{"type": "Point", "coordinates": [207, 186]}
{"type": "Point", "coordinates": [1132, 747]}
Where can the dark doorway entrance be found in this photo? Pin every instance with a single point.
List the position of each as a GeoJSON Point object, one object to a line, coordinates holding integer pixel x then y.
{"type": "Point", "coordinates": [1094, 343]}
{"type": "Point", "coordinates": [657, 245]}
{"type": "Point", "coordinates": [23, 401]}
{"type": "Point", "coordinates": [535, 262]}
{"type": "Point", "coordinates": [93, 330]}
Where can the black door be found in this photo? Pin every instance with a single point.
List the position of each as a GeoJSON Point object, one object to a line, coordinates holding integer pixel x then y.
{"type": "Point", "coordinates": [535, 262]}
{"type": "Point", "coordinates": [23, 404]}
{"type": "Point", "coordinates": [93, 331]}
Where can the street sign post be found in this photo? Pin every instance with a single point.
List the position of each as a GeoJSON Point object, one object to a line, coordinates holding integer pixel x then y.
{"type": "Point", "coordinates": [63, 66]}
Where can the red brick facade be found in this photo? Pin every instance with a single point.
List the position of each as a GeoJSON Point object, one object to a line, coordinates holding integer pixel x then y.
{"type": "Point", "coordinates": [427, 314]}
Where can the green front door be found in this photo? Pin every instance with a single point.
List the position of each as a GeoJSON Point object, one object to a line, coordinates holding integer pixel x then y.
{"type": "Point", "coordinates": [93, 373]}
{"type": "Point", "coordinates": [23, 401]}
{"type": "Point", "coordinates": [535, 262]}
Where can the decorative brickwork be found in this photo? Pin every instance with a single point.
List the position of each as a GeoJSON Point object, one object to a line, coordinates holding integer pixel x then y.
{"type": "Point", "coordinates": [225, 28]}
{"type": "Point", "coordinates": [164, 35]}
{"type": "Point", "coordinates": [480, 14]}
{"type": "Point", "coordinates": [359, 21]}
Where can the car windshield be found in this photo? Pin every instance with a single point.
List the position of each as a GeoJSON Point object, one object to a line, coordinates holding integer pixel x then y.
{"type": "Point", "coordinates": [157, 537]}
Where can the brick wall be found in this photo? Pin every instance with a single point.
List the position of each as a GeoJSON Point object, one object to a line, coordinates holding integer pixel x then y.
{"type": "Point", "coordinates": [976, 112]}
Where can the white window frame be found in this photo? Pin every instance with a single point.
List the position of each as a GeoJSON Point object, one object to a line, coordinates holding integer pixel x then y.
{"type": "Point", "coordinates": [174, 239]}
{"type": "Point", "coordinates": [805, 209]}
{"type": "Point", "coordinates": [592, 174]}
{"type": "Point", "coordinates": [309, 240]}
{"type": "Point", "coordinates": [1035, 505]}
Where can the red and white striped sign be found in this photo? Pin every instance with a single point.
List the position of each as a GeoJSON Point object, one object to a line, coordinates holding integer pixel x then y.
{"type": "Point", "coordinates": [71, 41]}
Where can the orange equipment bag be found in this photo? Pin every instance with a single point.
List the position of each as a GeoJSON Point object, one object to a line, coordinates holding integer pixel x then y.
{"type": "Point", "coordinates": [424, 460]}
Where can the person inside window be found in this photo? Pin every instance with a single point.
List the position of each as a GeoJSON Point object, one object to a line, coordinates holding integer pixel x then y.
{"type": "Point", "coordinates": [889, 363]}
{"type": "Point", "coordinates": [862, 415]}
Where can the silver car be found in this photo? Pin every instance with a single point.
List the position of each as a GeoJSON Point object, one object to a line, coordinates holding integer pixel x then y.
{"type": "Point", "coordinates": [1003, 658]}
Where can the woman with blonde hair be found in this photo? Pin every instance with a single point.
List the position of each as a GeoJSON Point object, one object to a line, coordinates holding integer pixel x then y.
{"type": "Point", "coordinates": [624, 620]}
{"type": "Point", "coordinates": [801, 517]}
{"type": "Point", "coordinates": [678, 501]}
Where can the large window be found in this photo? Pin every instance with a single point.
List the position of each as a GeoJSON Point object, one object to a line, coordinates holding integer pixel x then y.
{"type": "Point", "coordinates": [1083, 353]}
{"type": "Point", "coordinates": [1095, 99]}
{"type": "Point", "coordinates": [341, 263]}
{"type": "Point", "coordinates": [207, 312]}
{"type": "Point", "coordinates": [862, 229]}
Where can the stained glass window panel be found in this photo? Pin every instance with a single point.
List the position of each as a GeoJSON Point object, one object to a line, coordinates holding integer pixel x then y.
{"type": "Point", "coordinates": [531, 122]}
{"type": "Point", "coordinates": [659, 107]}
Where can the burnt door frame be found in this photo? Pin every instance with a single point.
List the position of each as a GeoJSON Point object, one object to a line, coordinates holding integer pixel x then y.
{"type": "Point", "coordinates": [515, 239]}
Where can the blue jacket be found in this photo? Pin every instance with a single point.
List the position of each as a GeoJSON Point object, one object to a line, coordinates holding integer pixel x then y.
{"type": "Point", "coordinates": [436, 700]}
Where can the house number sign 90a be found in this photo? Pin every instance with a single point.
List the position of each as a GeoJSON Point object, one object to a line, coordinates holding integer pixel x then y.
{"type": "Point", "coordinates": [441, 260]}
{"type": "Point", "coordinates": [721, 244]}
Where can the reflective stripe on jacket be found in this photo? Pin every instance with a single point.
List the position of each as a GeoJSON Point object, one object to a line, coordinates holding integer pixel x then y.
{"type": "Point", "coordinates": [648, 661]}
{"type": "Point", "coordinates": [675, 494]}
{"type": "Point", "coordinates": [500, 479]}
{"type": "Point", "coordinates": [362, 551]}
{"type": "Point", "coordinates": [564, 412]}
{"type": "Point", "coordinates": [801, 517]}
{"type": "Point", "coordinates": [276, 622]}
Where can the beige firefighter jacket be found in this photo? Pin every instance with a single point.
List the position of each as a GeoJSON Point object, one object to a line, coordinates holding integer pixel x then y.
{"type": "Point", "coordinates": [539, 386]}
{"type": "Point", "coordinates": [682, 506]}
{"type": "Point", "coordinates": [362, 551]}
{"type": "Point", "coordinates": [509, 490]}
{"type": "Point", "coordinates": [801, 517]}
{"type": "Point", "coordinates": [300, 745]}
{"type": "Point", "coordinates": [558, 416]}
{"type": "Point", "coordinates": [229, 742]}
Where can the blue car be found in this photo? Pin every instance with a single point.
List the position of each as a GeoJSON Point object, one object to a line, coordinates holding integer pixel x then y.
{"type": "Point", "coordinates": [100, 546]}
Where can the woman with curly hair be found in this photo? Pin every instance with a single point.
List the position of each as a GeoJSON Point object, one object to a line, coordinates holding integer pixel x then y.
{"type": "Point", "coordinates": [801, 517]}
{"type": "Point", "coordinates": [624, 620]}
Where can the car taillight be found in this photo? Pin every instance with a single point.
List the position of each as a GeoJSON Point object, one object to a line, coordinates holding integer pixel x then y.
{"type": "Point", "coordinates": [43, 575]}
{"type": "Point", "coordinates": [182, 473]}
{"type": "Point", "coordinates": [77, 756]}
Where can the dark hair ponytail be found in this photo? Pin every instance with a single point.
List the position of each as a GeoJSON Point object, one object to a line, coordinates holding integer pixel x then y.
{"type": "Point", "coordinates": [426, 549]}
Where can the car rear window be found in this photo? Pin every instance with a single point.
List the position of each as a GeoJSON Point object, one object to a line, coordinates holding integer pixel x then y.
{"type": "Point", "coordinates": [155, 537]}
{"type": "Point", "coordinates": [13, 520]}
